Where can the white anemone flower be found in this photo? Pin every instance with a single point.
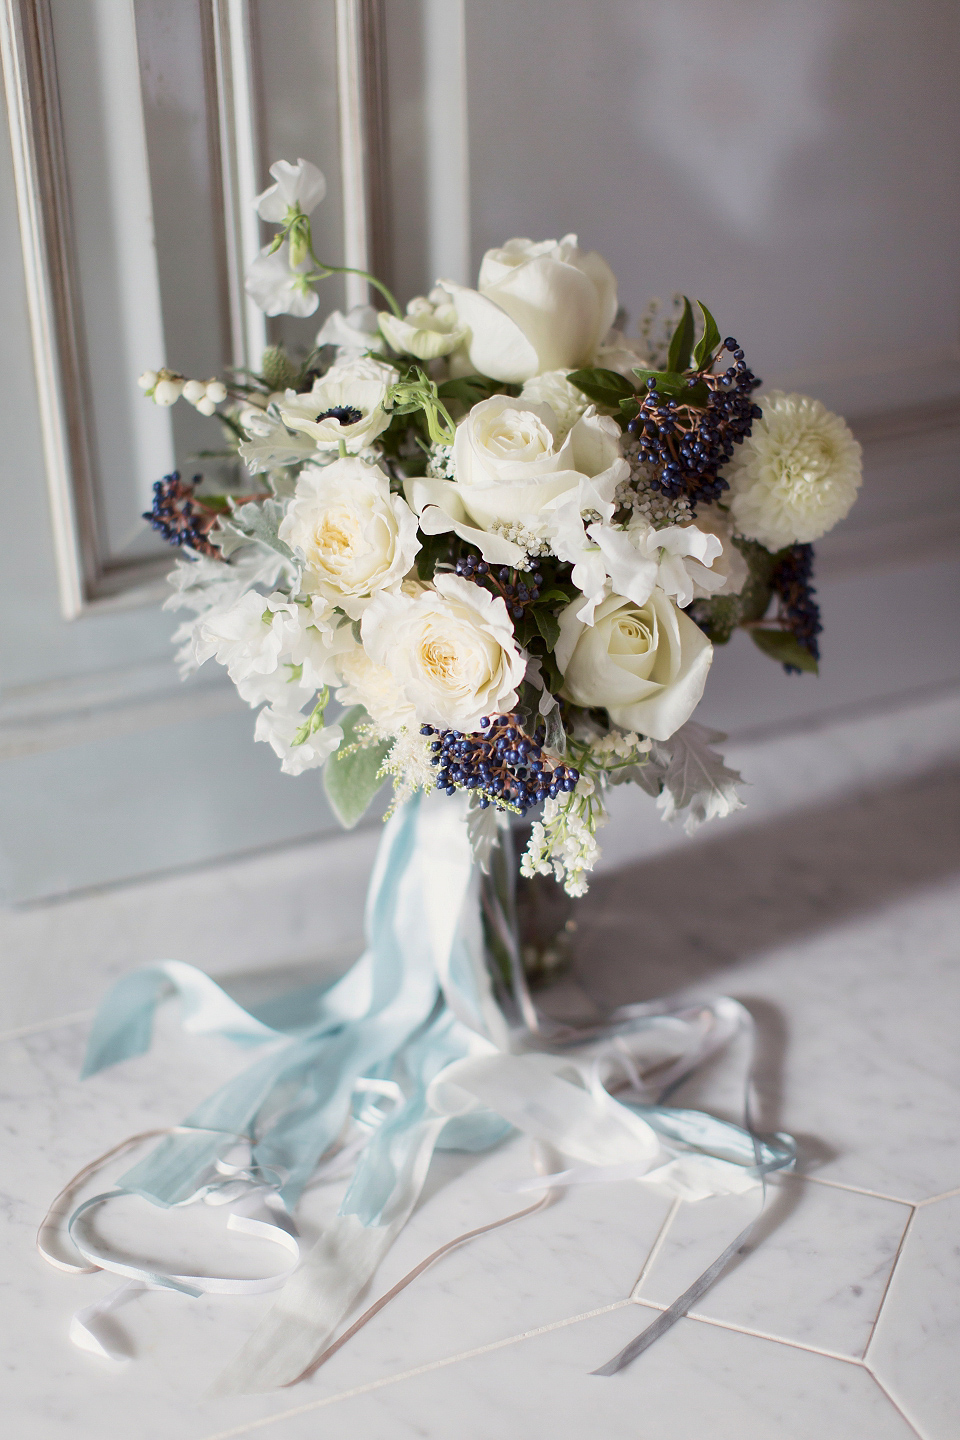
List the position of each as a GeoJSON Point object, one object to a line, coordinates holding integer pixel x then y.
{"type": "Point", "coordinates": [346, 404]}
{"type": "Point", "coordinates": [300, 185]}
{"type": "Point", "coordinates": [796, 475]}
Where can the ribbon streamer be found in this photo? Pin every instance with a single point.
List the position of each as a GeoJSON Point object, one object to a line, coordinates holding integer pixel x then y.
{"type": "Point", "coordinates": [412, 1049]}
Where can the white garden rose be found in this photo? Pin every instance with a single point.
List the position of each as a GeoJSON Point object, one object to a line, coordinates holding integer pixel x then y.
{"type": "Point", "coordinates": [355, 536]}
{"type": "Point", "coordinates": [430, 328]}
{"type": "Point", "coordinates": [346, 405]}
{"type": "Point", "coordinates": [511, 471]}
{"type": "Point", "coordinates": [537, 307]}
{"type": "Point", "coordinates": [796, 475]}
{"type": "Point", "coordinates": [451, 650]}
{"type": "Point", "coordinates": [645, 664]}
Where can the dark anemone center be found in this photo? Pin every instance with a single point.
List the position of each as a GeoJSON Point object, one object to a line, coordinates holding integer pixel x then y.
{"type": "Point", "coordinates": [343, 414]}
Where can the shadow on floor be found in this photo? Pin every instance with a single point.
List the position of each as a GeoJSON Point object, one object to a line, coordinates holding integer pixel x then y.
{"type": "Point", "coordinates": [682, 918]}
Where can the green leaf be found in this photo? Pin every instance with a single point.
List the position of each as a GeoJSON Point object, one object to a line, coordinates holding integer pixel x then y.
{"type": "Point", "coordinates": [549, 627]}
{"type": "Point", "coordinates": [670, 382]}
{"type": "Point", "coordinates": [781, 645]}
{"type": "Point", "coordinates": [469, 390]}
{"type": "Point", "coordinates": [605, 387]}
{"type": "Point", "coordinates": [681, 344]}
{"type": "Point", "coordinates": [708, 341]}
{"type": "Point", "coordinates": [351, 780]}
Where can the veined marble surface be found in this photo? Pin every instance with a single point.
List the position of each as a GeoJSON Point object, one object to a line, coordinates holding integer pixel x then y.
{"type": "Point", "coordinates": [836, 924]}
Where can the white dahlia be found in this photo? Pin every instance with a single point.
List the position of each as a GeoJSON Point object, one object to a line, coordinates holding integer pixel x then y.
{"type": "Point", "coordinates": [796, 475]}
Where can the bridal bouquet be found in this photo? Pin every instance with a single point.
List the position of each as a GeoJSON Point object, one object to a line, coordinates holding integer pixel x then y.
{"type": "Point", "coordinates": [501, 533]}
{"type": "Point", "coordinates": [504, 538]}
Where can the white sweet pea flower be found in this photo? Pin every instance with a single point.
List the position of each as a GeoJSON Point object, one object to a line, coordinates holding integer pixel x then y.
{"type": "Point", "coordinates": [537, 307]}
{"type": "Point", "coordinates": [796, 475]}
{"type": "Point", "coordinates": [270, 444]}
{"type": "Point", "coordinates": [363, 682]}
{"type": "Point", "coordinates": [300, 185]}
{"type": "Point", "coordinates": [355, 536]}
{"type": "Point", "coordinates": [646, 665]}
{"type": "Point", "coordinates": [430, 328]}
{"type": "Point", "coordinates": [676, 559]}
{"type": "Point", "coordinates": [346, 404]}
{"type": "Point", "coordinates": [249, 636]}
{"type": "Point", "coordinates": [511, 473]}
{"type": "Point", "coordinates": [291, 736]}
{"type": "Point", "coordinates": [353, 334]}
{"type": "Point", "coordinates": [278, 287]}
{"type": "Point", "coordinates": [565, 400]}
{"type": "Point", "coordinates": [622, 353]}
{"type": "Point", "coordinates": [451, 650]}
{"type": "Point", "coordinates": [730, 565]}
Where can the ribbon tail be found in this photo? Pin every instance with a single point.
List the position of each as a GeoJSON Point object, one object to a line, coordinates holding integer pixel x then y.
{"type": "Point", "coordinates": [86, 1331]}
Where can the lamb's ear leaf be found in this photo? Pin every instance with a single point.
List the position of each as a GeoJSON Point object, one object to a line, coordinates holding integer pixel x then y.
{"type": "Point", "coordinates": [352, 779]}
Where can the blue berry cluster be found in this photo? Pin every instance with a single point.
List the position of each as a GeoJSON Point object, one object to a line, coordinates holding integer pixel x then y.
{"type": "Point", "coordinates": [687, 443]}
{"type": "Point", "coordinates": [791, 584]}
{"type": "Point", "coordinates": [178, 517]}
{"type": "Point", "coordinates": [505, 766]}
{"type": "Point", "coordinates": [517, 594]}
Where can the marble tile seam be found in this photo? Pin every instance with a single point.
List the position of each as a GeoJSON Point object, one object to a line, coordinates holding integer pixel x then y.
{"type": "Point", "coordinates": [431, 1365]}
{"type": "Point", "coordinates": [935, 1199]}
{"type": "Point", "coordinates": [886, 1289]}
{"type": "Point", "coordinates": [55, 1023]}
{"type": "Point", "coordinates": [907, 1419]}
{"type": "Point", "coordinates": [755, 1334]}
{"type": "Point", "coordinates": [874, 1194]}
{"type": "Point", "coordinates": [657, 1246]}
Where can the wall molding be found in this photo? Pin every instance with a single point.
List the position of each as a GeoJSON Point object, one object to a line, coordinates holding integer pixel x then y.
{"type": "Point", "coordinates": [361, 94]}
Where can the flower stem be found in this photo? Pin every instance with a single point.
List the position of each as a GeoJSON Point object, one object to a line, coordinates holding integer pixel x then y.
{"type": "Point", "coordinates": [365, 274]}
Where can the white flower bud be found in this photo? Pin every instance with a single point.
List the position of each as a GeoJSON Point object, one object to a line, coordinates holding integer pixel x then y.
{"type": "Point", "coordinates": [216, 391]}
{"type": "Point", "coordinates": [167, 391]}
{"type": "Point", "coordinates": [147, 380]}
{"type": "Point", "coordinates": [194, 390]}
{"type": "Point", "coordinates": [206, 406]}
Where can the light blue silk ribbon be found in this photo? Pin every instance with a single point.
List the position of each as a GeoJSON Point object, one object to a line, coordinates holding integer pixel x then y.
{"type": "Point", "coordinates": [416, 1017]}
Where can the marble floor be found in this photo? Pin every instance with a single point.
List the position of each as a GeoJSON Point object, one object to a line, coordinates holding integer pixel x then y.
{"type": "Point", "coordinates": [837, 924]}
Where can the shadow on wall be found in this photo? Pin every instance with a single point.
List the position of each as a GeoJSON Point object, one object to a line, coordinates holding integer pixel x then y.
{"type": "Point", "coordinates": [682, 918]}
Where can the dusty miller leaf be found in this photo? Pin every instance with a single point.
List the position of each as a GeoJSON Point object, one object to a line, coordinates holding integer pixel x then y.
{"type": "Point", "coordinates": [695, 778]}
{"type": "Point", "coordinates": [257, 521]}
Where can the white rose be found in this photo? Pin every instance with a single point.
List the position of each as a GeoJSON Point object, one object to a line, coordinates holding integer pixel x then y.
{"type": "Point", "coordinates": [346, 404]}
{"type": "Point", "coordinates": [354, 535]}
{"type": "Point", "coordinates": [796, 475]}
{"type": "Point", "coordinates": [645, 664]}
{"type": "Point", "coordinates": [537, 307]}
{"type": "Point", "coordinates": [450, 649]}
{"type": "Point", "coordinates": [511, 473]}
{"type": "Point", "coordinates": [431, 327]}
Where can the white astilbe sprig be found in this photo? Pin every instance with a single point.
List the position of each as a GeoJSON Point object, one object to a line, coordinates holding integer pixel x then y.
{"type": "Point", "coordinates": [408, 764]}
